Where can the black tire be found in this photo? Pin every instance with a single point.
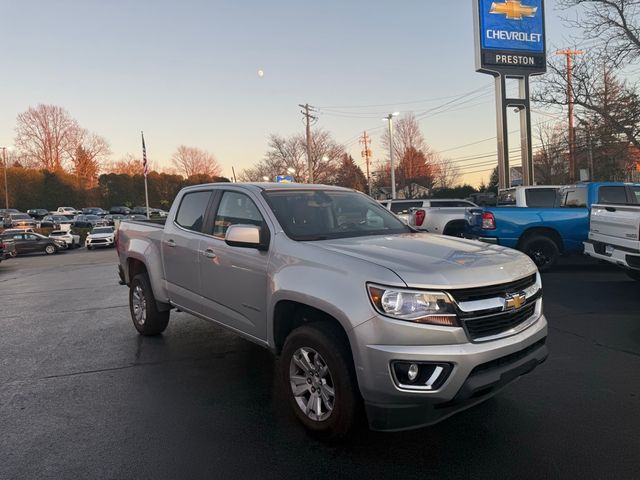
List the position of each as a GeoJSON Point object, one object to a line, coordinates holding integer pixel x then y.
{"type": "Point", "coordinates": [329, 341]}
{"type": "Point", "coordinates": [89, 247]}
{"type": "Point", "coordinates": [634, 274]}
{"type": "Point", "coordinates": [50, 249]}
{"type": "Point", "coordinates": [151, 321]}
{"type": "Point", "coordinates": [542, 250]}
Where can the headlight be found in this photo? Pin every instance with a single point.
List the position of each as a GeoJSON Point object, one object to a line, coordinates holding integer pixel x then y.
{"type": "Point", "coordinates": [434, 308]}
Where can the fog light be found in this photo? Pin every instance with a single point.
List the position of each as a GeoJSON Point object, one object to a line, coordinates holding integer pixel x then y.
{"type": "Point", "coordinates": [420, 375]}
{"type": "Point", "coordinates": [412, 373]}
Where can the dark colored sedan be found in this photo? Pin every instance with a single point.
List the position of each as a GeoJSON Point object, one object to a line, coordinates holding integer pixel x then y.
{"type": "Point", "coordinates": [38, 213]}
{"type": "Point", "coordinates": [34, 242]}
{"type": "Point", "coordinates": [54, 221]}
{"type": "Point", "coordinates": [120, 210]}
{"type": "Point", "coordinates": [94, 211]}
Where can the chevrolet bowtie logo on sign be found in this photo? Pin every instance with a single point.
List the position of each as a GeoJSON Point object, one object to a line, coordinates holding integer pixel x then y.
{"type": "Point", "coordinates": [514, 301]}
{"type": "Point", "coordinates": [513, 9]}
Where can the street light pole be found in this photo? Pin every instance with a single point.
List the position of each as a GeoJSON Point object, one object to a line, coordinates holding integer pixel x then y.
{"type": "Point", "coordinates": [389, 118]}
{"type": "Point", "coordinates": [6, 186]}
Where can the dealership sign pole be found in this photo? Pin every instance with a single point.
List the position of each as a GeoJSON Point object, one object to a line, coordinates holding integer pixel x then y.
{"type": "Point", "coordinates": [510, 44]}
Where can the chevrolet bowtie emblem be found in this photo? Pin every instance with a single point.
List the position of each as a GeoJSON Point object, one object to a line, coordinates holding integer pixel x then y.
{"type": "Point", "coordinates": [514, 301]}
{"type": "Point", "coordinates": [513, 9]}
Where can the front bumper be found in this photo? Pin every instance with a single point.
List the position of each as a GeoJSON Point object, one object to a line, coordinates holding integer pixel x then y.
{"type": "Point", "coordinates": [479, 371]}
{"type": "Point", "coordinates": [99, 242]}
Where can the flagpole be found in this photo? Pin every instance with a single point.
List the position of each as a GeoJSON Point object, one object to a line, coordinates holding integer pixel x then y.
{"type": "Point", "coordinates": [144, 163]}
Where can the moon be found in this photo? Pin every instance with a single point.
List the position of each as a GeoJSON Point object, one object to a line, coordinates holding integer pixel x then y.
{"type": "Point", "coordinates": [260, 73]}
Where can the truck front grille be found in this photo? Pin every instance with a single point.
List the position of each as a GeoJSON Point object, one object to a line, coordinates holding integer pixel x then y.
{"type": "Point", "coordinates": [470, 294]}
{"type": "Point", "coordinates": [490, 325]}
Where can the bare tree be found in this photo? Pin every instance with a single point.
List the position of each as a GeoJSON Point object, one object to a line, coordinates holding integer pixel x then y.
{"type": "Point", "coordinates": [128, 165]}
{"type": "Point", "coordinates": [287, 154]}
{"type": "Point", "coordinates": [406, 135]}
{"type": "Point", "coordinates": [551, 165]}
{"type": "Point", "coordinates": [614, 24]}
{"type": "Point", "coordinates": [446, 173]}
{"type": "Point", "coordinates": [46, 135]}
{"type": "Point", "coordinates": [195, 161]}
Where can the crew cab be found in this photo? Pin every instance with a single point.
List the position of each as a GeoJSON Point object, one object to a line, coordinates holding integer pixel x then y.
{"type": "Point", "coordinates": [362, 309]}
{"type": "Point", "coordinates": [528, 196]}
{"type": "Point", "coordinates": [545, 233]}
{"type": "Point", "coordinates": [614, 234]}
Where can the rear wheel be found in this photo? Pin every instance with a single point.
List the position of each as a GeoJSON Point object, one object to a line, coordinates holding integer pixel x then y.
{"type": "Point", "coordinates": [318, 374]}
{"type": "Point", "coordinates": [50, 249]}
{"type": "Point", "coordinates": [634, 274]}
{"type": "Point", "coordinates": [542, 250]}
{"type": "Point", "coordinates": [146, 317]}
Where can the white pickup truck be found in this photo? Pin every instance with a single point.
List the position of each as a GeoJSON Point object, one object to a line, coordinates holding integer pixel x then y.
{"type": "Point", "coordinates": [444, 216]}
{"type": "Point", "coordinates": [614, 234]}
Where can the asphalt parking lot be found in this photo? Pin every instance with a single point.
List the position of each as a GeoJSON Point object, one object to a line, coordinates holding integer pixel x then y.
{"type": "Point", "coordinates": [83, 396]}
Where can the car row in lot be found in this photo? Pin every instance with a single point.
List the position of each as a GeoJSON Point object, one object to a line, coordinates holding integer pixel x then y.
{"type": "Point", "coordinates": [86, 218]}
{"type": "Point", "coordinates": [21, 241]}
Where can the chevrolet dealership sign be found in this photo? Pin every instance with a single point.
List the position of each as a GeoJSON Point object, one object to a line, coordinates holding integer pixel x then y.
{"type": "Point", "coordinates": [510, 36]}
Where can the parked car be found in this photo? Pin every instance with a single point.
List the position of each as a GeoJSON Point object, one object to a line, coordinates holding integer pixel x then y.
{"type": "Point", "coordinates": [444, 216]}
{"type": "Point", "coordinates": [34, 242]}
{"type": "Point", "coordinates": [70, 239]}
{"type": "Point", "coordinates": [19, 230]}
{"type": "Point", "coordinates": [361, 308]}
{"type": "Point", "coordinates": [18, 220]}
{"type": "Point", "coordinates": [38, 213]}
{"type": "Point", "coordinates": [55, 221]}
{"type": "Point", "coordinates": [545, 233]}
{"type": "Point", "coordinates": [120, 210]}
{"type": "Point", "coordinates": [85, 221]}
{"type": "Point", "coordinates": [614, 234]}
{"type": "Point", "coordinates": [94, 211]}
{"type": "Point", "coordinates": [67, 211]}
{"type": "Point", "coordinates": [100, 237]}
{"type": "Point", "coordinates": [110, 219]}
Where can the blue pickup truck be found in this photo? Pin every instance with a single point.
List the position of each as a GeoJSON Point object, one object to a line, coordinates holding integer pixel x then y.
{"type": "Point", "coordinates": [546, 233]}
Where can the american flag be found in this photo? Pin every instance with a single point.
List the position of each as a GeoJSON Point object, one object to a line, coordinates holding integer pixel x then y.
{"type": "Point", "coordinates": [144, 156]}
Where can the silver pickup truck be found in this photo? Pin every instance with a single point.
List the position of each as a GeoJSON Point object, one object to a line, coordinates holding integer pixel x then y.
{"type": "Point", "coordinates": [362, 309]}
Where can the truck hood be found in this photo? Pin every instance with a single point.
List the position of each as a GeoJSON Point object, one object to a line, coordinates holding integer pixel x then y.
{"type": "Point", "coordinates": [424, 260]}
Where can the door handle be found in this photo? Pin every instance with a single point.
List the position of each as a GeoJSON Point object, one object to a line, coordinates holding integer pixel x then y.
{"type": "Point", "coordinates": [170, 243]}
{"type": "Point", "coordinates": [209, 253]}
{"type": "Point", "coordinates": [610, 209]}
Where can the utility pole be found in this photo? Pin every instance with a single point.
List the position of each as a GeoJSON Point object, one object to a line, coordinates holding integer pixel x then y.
{"type": "Point", "coordinates": [308, 117]}
{"type": "Point", "coordinates": [366, 153]}
{"type": "Point", "coordinates": [6, 186]}
{"type": "Point", "coordinates": [572, 134]}
{"type": "Point", "coordinates": [389, 119]}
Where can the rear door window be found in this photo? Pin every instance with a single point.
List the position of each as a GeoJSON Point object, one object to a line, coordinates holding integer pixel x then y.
{"type": "Point", "coordinates": [612, 194]}
{"type": "Point", "coordinates": [576, 198]}
{"type": "Point", "coordinates": [192, 210]}
{"type": "Point", "coordinates": [635, 194]}
{"type": "Point", "coordinates": [541, 197]}
{"type": "Point", "coordinates": [403, 207]}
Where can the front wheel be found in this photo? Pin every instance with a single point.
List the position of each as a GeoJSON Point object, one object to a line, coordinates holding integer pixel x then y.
{"type": "Point", "coordinates": [318, 374]}
{"type": "Point", "coordinates": [542, 250]}
{"type": "Point", "coordinates": [146, 317]}
{"type": "Point", "coordinates": [634, 274]}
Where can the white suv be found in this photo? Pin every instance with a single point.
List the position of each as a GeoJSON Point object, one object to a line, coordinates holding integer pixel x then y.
{"type": "Point", "coordinates": [100, 237]}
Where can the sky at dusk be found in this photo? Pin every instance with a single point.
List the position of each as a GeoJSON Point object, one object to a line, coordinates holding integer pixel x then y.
{"type": "Point", "coordinates": [185, 72]}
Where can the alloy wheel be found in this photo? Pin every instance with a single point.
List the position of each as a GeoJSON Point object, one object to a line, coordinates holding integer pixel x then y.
{"type": "Point", "coordinates": [311, 384]}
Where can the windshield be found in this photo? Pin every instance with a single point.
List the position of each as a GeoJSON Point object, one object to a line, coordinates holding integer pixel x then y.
{"type": "Point", "coordinates": [326, 214]}
{"type": "Point", "coordinates": [101, 230]}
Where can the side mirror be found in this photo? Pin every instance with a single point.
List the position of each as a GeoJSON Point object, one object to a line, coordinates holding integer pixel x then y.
{"type": "Point", "coordinates": [247, 236]}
